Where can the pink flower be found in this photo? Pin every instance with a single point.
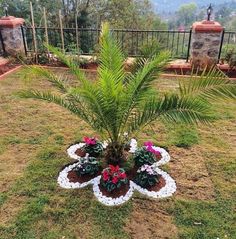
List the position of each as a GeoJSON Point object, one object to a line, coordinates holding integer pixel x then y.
{"type": "Point", "coordinates": [90, 141]}
{"type": "Point", "coordinates": [148, 144]}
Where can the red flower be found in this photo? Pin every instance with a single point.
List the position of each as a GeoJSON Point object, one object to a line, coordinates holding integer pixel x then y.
{"type": "Point", "coordinates": [114, 169]}
{"type": "Point", "coordinates": [90, 141]}
{"type": "Point", "coordinates": [115, 180]}
{"type": "Point", "coordinates": [105, 175]}
{"type": "Point", "coordinates": [122, 175]}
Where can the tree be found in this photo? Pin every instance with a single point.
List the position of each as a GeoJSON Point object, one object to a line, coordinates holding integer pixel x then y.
{"type": "Point", "coordinates": [186, 14]}
{"type": "Point", "coordinates": [121, 102]}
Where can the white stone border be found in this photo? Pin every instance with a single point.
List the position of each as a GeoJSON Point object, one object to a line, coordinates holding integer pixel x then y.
{"type": "Point", "coordinates": [72, 149]}
{"type": "Point", "coordinates": [165, 157]}
{"type": "Point", "coordinates": [109, 201]}
{"type": "Point", "coordinates": [166, 191]}
{"type": "Point", "coordinates": [64, 182]}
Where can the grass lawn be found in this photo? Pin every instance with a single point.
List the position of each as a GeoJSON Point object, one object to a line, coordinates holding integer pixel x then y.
{"type": "Point", "coordinates": [34, 136]}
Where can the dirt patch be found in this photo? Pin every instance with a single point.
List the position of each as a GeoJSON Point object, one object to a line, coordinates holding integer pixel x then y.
{"type": "Point", "coordinates": [13, 162]}
{"type": "Point", "coordinates": [10, 209]}
{"type": "Point", "coordinates": [149, 220]}
{"type": "Point", "coordinates": [188, 169]}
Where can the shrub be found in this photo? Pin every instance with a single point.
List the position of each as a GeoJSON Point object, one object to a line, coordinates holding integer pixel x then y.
{"type": "Point", "coordinates": [146, 176]}
{"type": "Point", "coordinates": [230, 57]}
{"type": "Point", "coordinates": [93, 147]}
{"type": "Point", "coordinates": [113, 178]}
{"type": "Point", "coordinates": [146, 155]}
{"type": "Point", "coordinates": [87, 166]}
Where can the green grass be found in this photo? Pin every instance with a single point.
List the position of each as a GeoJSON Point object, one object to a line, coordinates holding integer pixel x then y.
{"type": "Point", "coordinates": [40, 133]}
{"type": "Point", "coordinates": [204, 220]}
{"type": "Point", "coordinates": [183, 136]}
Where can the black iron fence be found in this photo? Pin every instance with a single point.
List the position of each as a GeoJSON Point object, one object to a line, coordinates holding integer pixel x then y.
{"type": "Point", "coordinates": [228, 43]}
{"type": "Point", "coordinates": [2, 48]}
{"type": "Point", "coordinates": [131, 41]}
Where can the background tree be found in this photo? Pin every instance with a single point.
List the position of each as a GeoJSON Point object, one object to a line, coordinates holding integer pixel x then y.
{"type": "Point", "coordinates": [186, 14]}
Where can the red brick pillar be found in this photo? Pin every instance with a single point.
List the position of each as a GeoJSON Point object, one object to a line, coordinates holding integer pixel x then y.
{"type": "Point", "coordinates": [205, 45]}
{"type": "Point", "coordinates": [12, 35]}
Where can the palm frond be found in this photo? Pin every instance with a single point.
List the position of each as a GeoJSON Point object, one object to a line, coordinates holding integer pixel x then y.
{"type": "Point", "coordinates": [111, 57]}
{"type": "Point", "coordinates": [59, 100]}
{"type": "Point", "coordinates": [68, 61]}
{"type": "Point", "coordinates": [210, 85]}
{"type": "Point", "coordinates": [172, 109]}
{"type": "Point", "coordinates": [56, 80]}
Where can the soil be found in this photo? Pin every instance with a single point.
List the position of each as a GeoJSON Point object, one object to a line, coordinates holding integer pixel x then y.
{"type": "Point", "coordinates": [74, 178]}
{"type": "Point", "coordinates": [231, 73]}
{"type": "Point", "coordinates": [6, 68]}
{"type": "Point", "coordinates": [189, 171]}
{"type": "Point", "coordinates": [131, 173]}
{"type": "Point", "coordinates": [150, 220]}
{"type": "Point", "coordinates": [157, 186]}
{"type": "Point", "coordinates": [80, 152]}
{"type": "Point", "coordinates": [90, 66]}
{"type": "Point", "coordinates": [115, 193]}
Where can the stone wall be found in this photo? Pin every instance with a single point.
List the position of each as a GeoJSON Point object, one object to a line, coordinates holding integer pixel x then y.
{"type": "Point", "coordinates": [13, 40]}
{"type": "Point", "coordinates": [205, 44]}
{"type": "Point", "coordinates": [12, 35]}
{"type": "Point", "coordinates": [205, 48]}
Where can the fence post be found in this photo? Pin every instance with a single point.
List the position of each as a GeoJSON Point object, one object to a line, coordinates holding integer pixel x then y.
{"type": "Point", "coordinates": [11, 35]}
{"type": "Point", "coordinates": [206, 44]}
{"type": "Point", "coordinates": [189, 44]}
{"type": "Point", "coordinates": [62, 34]}
{"type": "Point", "coordinates": [34, 34]}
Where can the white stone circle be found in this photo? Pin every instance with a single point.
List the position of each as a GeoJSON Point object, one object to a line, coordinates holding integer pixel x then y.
{"type": "Point", "coordinates": [165, 191]}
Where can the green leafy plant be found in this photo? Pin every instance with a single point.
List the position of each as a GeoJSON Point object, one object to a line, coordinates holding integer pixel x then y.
{"type": "Point", "coordinates": [121, 101]}
{"type": "Point", "coordinates": [87, 166]}
{"type": "Point", "coordinates": [230, 57]}
{"type": "Point", "coordinates": [113, 178]}
{"type": "Point", "coordinates": [146, 176]}
{"type": "Point", "coordinates": [143, 156]}
{"type": "Point", "coordinates": [93, 147]}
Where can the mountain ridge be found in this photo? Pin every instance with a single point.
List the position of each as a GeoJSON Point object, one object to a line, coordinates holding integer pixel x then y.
{"type": "Point", "coordinates": [173, 5]}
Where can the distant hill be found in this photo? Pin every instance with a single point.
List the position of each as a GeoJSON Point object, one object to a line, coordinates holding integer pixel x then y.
{"type": "Point", "coordinates": [173, 5]}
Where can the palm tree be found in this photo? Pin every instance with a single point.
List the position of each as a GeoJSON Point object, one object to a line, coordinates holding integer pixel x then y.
{"type": "Point", "coordinates": [121, 101]}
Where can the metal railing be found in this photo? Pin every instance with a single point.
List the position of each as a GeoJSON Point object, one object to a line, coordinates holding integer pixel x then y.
{"type": "Point", "coordinates": [131, 41]}
{"type": "Point", "coordinates": [228, 43]}
{"type": "Point", "coordinates": [2, 47]}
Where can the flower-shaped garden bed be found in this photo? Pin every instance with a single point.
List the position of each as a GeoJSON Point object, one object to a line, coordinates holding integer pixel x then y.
{"type": "Point", "coordinates": [114, 186]}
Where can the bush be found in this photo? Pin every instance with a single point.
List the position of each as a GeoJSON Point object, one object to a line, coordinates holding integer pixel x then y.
{"type": "Point", "coordinates": [87, 166]}
{"type": "Point", "coordinates": [230, 57]}
{"type": "Point", "coordinates": [143, 156]}
{"type": "Point", "coordinates": [113, 178]}
{"type": "Point", "coordinates": [146, 176]}
{"type": "Point", "coordinates": [93, 147]}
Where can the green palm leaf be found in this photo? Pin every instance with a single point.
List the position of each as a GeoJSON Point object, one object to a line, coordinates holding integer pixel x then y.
{"type": "Point", "coordinates": [210, 85]}
{"type": "Point", "coordinates": [120, 101]}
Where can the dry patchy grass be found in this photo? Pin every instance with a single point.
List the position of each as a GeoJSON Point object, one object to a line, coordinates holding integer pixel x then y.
{"type": "Point", "coordinates": [33, 140]}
